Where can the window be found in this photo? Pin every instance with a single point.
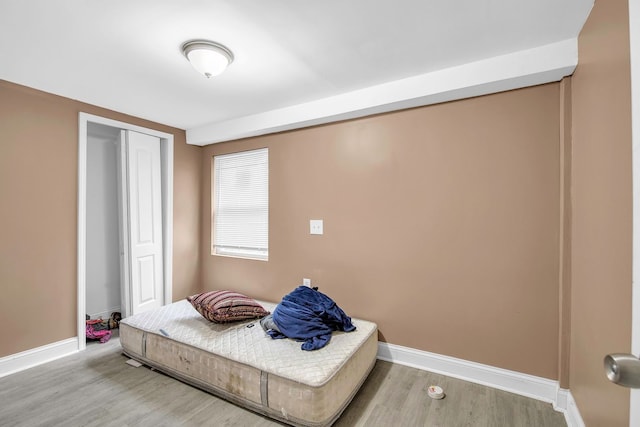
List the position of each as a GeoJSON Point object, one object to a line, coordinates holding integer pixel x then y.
{"type": "Point", "coordinates": [241, 204]}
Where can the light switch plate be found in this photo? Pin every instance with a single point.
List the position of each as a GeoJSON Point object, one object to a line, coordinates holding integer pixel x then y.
{"type": "Point", "coordinates": [316, 226]}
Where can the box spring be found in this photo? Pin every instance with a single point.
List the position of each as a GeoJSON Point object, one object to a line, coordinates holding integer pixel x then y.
{"type": "Point", "coordinates": [241, 363]}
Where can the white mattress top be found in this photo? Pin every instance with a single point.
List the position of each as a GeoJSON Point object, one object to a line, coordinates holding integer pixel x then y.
{"type": "Point", "coordinates": [251, 345]}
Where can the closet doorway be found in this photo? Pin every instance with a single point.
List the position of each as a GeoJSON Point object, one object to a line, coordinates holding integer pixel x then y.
{"type": "Point", "coordinates": [125, 224]}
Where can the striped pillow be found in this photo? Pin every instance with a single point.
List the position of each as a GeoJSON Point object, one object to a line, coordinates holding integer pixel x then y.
{"type": "Point", "coordinates": [226, 306]}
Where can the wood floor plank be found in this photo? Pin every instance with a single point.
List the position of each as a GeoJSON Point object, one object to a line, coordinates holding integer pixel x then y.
{"type": "Point", "coordinates": [96, 388]}
{"type": "Point", "coordinates": [415, 409]}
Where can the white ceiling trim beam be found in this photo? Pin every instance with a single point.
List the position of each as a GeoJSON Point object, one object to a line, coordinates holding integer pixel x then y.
{"type": "Point", "coordinates": [530, 67]}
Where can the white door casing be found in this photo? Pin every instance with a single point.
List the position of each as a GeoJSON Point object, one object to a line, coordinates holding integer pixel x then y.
{"type": "Point", "coordinates": [144, 202]}
{"type": "Point", "coordinates": [123, 225]}
{"type": "Point", "coordinates": [166, 149]}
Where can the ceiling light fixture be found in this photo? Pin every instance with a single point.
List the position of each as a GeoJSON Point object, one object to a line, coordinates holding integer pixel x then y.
{"type": "Point", "coordinates": [207, 57]}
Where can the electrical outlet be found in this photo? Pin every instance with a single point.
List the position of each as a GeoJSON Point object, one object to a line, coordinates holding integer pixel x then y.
{"type": "Point", "coordinates": [316, 226]}
{"type": "Point", "coordinates": [306, 282]}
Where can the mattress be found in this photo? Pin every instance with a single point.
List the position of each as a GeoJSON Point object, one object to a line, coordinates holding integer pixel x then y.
{"type": "Point", "coordinates": [241, 363]}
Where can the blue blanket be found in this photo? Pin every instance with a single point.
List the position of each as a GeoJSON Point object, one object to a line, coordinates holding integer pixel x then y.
{"type": "Point", "coordinates": [310, 316]}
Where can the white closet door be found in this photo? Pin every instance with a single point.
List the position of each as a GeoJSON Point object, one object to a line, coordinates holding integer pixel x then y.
{"type": "Point", "coordinates": [144, 200]}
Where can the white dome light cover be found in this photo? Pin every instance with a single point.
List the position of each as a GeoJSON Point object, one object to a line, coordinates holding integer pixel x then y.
{"type": "Point", "coordinates": [207, 57]}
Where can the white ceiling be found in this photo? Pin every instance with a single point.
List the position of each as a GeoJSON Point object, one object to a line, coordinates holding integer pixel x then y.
{"type": "Point", "coordinates": [297, 62]}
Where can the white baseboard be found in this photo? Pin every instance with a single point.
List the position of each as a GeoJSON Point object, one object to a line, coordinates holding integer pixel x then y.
{"type": "Point", "coordinates": [37, 356]}
{"type": "Point", "coordinates": [514, 382]}
{"type": "Point", "coordinates": [572, 414]}
{"type": "Point", "coordinates": [562, 401]}
{"type": "Point", "coordinates": [104, 314]}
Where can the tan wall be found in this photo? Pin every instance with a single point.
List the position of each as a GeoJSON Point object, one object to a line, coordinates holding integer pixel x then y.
{"type": "Point", "coordinates": [38, 215]}
{"type": "Point", "coordinates": [602, 213]}
{"type": "Point", "coordinates": [564, 282]}
{"type": "Point", "coordinates": [441, 225]}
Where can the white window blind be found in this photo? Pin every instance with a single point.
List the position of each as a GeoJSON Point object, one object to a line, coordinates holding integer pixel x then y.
{"type": "Point", "coordinates": [241, 204]}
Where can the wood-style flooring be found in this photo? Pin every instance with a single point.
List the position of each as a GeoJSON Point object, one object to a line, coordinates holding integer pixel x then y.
{"type": "Point", "coordinates": [97, 388]}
